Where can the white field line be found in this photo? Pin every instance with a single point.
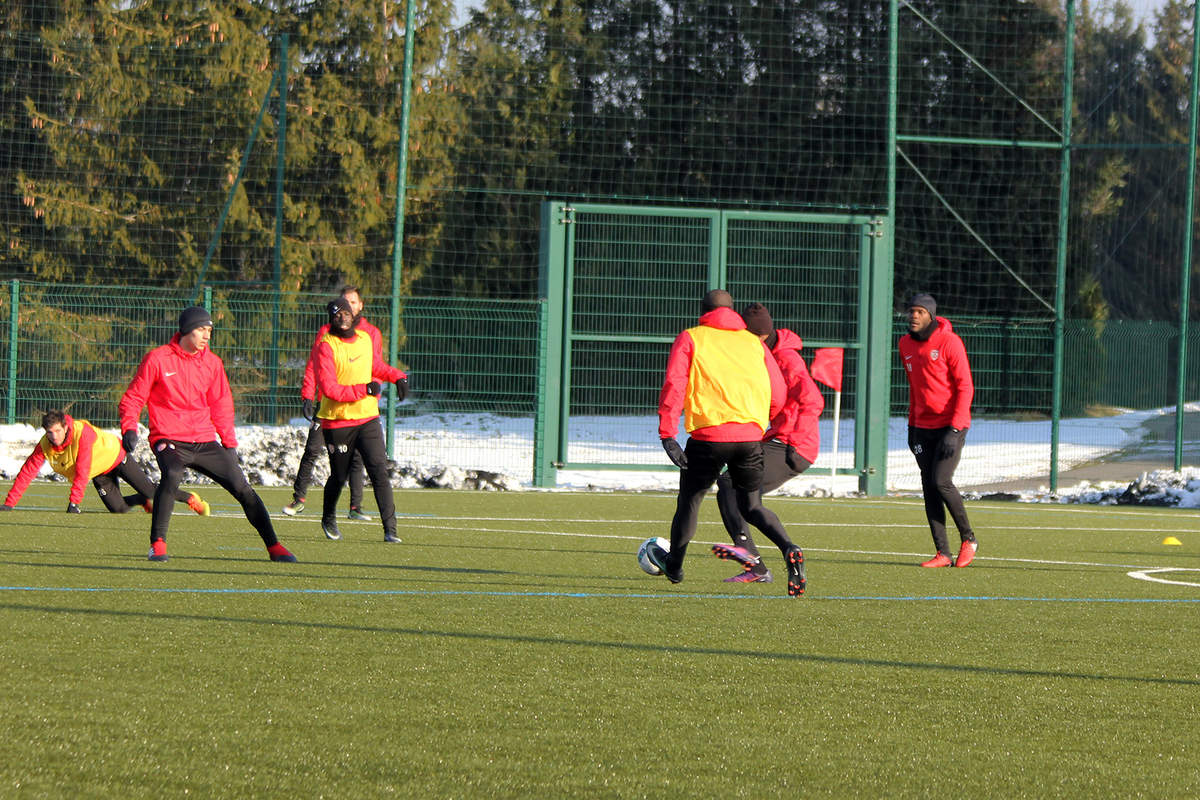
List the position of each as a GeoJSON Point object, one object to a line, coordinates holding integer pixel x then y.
{"type": "Point", "coordinates": [787, 523]}
{"type": "Point", "coordinates": [1006, 506]}
{"type": "Point", "coordinates": [890, 553]}
{"type": "Point", "coordinates": [1151, 575]}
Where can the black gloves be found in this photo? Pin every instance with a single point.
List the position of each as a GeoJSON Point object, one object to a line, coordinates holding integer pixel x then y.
{"type": "Point", "coordinates": [129, 440]}
{"type": "Point", "coordinates": [73, 509]}
{"type": "Point", "coordinates": [794, 462]}
{"type": "Point", "coordinates": [952, 441]}
{"type": "Point", "coordinates": [675, 453]}
{"type": "Point", "coordinates": [402, 389]}
{"type": "Point", "coordinates": [309, 411]}
{"type": "Point", "coordinates": [374, 388]}
{"type": "Point", "coordinates": [6, 508]}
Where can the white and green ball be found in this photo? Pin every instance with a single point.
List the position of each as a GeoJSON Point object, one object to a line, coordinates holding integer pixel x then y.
{"type": "Point", "coordinates": [661, 547]}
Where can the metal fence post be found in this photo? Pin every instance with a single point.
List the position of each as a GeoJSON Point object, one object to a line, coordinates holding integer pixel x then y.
{"type": "Point", "coordinates": [398, 228]}
{"type": "Point", "coordinates": [1185, 270]}
{"type": "Point", "coordinates": [280, 160]}
{"type": "Point", "coordinates": [1060, 269]}
{"type": "Point", "coordinates": [13, 316]}
{"type": "Point", "coordinates": [216, 234]}
{"type": "Point", "coordinates": [548, 422]}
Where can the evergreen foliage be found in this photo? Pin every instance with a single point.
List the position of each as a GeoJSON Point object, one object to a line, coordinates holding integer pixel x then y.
{"type": "Point", "coordinates": [124, 127]}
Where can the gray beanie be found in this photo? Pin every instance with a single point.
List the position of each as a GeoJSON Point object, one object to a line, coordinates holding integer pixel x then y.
{"type": "Point", "coordinates": [925, 301]}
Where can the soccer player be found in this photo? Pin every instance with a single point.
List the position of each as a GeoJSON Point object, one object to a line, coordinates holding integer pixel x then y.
{"type": "Point", "coordinates": [349, 370]}
{"type": "Point", "coordinates": [790, 445]}
{"type": "Point", "coordinates": [184, 386]}
{"type": "Point", "coordinates": [940, 390]}
{"type": "Point", "coordinates": [727, 385]}
{"type": "Point", "coordinates": [78, 450]}
{"type": "Point", "coordinates": [315, 444]}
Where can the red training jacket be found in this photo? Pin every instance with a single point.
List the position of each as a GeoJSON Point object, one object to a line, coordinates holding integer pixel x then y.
{"type": "Point", "coordinates": [797, 424]}
{"type": "Point", "coordinates": [675, 385]}
{"type": "Point", "coordinates": [187, 394]}
{"type": "Point", "coordinates": [940, 389]}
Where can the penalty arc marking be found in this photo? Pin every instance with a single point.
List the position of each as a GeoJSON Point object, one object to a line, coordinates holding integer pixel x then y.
{"type": "Point", "coordinates": [1152, 575]}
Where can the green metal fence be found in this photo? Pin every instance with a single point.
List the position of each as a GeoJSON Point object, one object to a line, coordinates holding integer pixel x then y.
{"type": "Point", "coordinates": [626, 279]}
{"type": "Point", "coordinates": [1035, 160]}
{"type": "Point", "coordinates": [77, 347]}
{"type": "Point", "coordinates": [478, 369]}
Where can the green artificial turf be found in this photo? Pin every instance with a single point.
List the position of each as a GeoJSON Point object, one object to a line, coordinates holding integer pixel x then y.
{"type": "Point", "coordinates": [511, 647]}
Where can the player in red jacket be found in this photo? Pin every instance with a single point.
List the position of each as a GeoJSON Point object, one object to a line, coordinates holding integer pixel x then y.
{"type": "Point", "coordinates": [78, 450]}
{"type": "Point", "coordinates": [350, 372]}
{"type": "Point", "coordinates": [940, 391]}
{"type": "Point", "coordinates": [314, 445]}
{"type": "Point", "coordinates": [790, 445]}
{"type": "Point", "coordinates": [185, 388]}
{"type": "Point", "coordinates": [728, 387]}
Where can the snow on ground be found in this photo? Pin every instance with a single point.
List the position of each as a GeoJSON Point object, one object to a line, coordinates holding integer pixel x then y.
{"type": "Point", "coordinates": [484, 451]}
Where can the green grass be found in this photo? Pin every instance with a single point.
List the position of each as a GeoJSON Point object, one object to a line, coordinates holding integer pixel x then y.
{"type": "Point", "coordinates": [511, 647]}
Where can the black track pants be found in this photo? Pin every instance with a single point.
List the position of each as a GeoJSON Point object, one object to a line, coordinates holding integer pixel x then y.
{"type": "Point", "coordinates": [937, 485]}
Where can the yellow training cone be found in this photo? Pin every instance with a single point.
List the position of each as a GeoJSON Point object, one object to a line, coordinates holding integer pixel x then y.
{"type": "Point", "coordinates": [1171, 540]}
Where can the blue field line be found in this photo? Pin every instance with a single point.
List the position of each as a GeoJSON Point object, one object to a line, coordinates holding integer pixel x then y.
{"type": "Point", "coordinates": [595, 595]}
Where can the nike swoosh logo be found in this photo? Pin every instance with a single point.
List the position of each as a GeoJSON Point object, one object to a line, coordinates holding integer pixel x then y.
{"type": "Point", "coordinates": [354, 358]}
{"type": "Point", "coordinates": [168, 374]}
{"type": "Point", "coordinates": [906, 358]}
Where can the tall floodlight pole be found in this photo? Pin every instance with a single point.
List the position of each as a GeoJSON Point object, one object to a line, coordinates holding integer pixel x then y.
{"type": "Point", "coordinates": [280, 161]}
{"type": "Point", "coordinates": [398, 228]}
{"type": "Point", "coordinates": [1060, 269]}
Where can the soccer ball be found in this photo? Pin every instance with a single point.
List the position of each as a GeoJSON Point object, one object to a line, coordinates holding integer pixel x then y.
{"type": "Point", "coordinates": [662, 545]}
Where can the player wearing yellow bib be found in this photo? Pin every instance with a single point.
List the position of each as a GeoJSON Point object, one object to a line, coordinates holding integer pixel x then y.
{"type": "Point", "coordinates": [728, 387]}
{"type": "Point", "coordinates": [349, 370]}
{"type": "Point", "coordinates": [78, 450]}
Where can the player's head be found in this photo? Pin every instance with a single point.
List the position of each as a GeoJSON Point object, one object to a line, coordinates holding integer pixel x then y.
{"type": "Point", "coordinates": [54, 422]}
{"type": "Point", "coordinates": [759, 322]}
{"type": "Point", "coordinates": [195, 329]}
{"type": "Point", "coordinates": [717, 298]}
{"type": "Point", "coordinates": [922, 312]}
{"type": "Point", "coordinates": [354, 298]}
{"type": "Point", "coordinates": [341, 317]}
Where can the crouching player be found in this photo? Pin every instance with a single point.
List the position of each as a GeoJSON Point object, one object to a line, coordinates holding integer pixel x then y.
{"type": "Point", "coordinates": [78, 450]}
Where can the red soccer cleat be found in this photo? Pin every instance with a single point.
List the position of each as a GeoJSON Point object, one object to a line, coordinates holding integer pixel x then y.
{"type": "Point", "coordinates": [158, 550]}
{"type": "Point", "coordinates": [967, 554]}
{"type": "Point", "coordinates": [940, 560]}
{"type": "Point", "coordinates": [278, 552]}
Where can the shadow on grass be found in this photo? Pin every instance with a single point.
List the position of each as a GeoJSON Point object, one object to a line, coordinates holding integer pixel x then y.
{"type": "Point", "coordinates": [962, 669]}
{"type": "Point", "coordinates": [142, 565]}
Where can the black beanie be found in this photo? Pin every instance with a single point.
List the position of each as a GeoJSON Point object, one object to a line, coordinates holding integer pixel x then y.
{"type": "Point", "coordinates": [192, 318]}
{"type": "Point", "coordinates": [758, 319]}
{"type": "Point", "coordinates": [925, 301]}
{"type": "Point", "coordinates": [333, 307]}
{"type": "Point", "coordinates": [338, 304]}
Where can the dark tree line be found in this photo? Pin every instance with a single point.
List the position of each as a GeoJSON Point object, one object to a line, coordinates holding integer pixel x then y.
{"type": "Point", "coordinates": [123, 126]}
